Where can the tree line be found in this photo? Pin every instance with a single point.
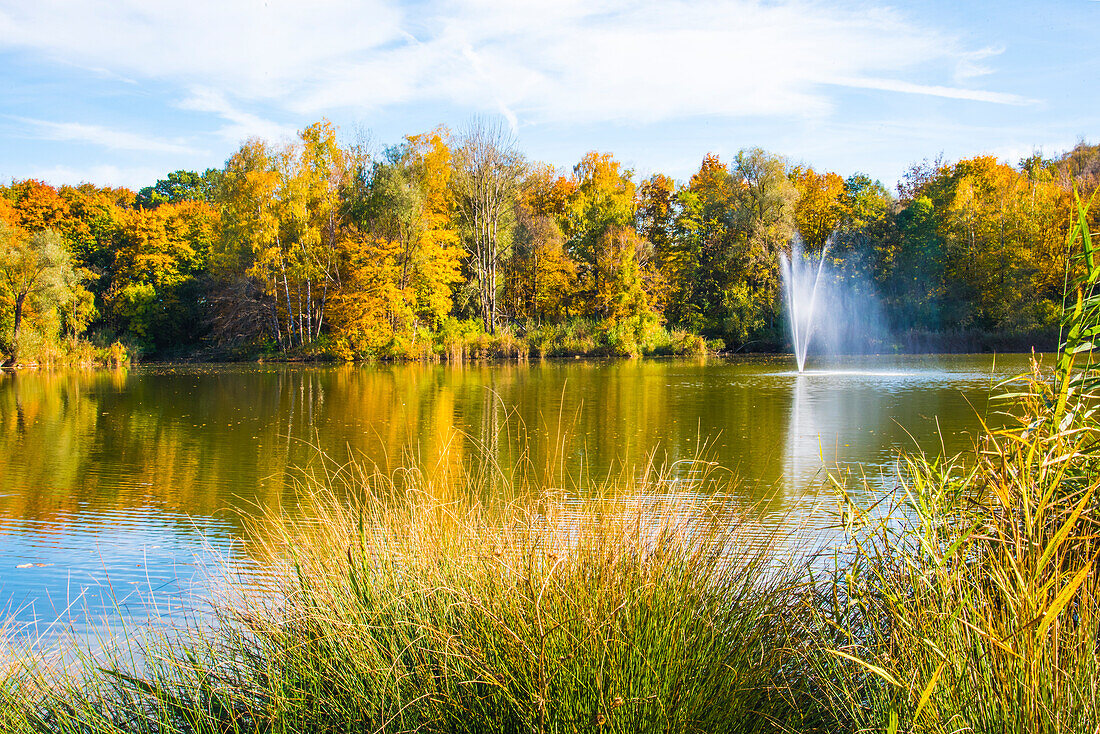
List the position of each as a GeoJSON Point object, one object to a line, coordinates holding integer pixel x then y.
{"type": "Point", "coordinates": [316, 247]}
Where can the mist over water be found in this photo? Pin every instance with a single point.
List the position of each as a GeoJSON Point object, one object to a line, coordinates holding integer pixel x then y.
{"type": "Point", "coordinates": [832, 311]}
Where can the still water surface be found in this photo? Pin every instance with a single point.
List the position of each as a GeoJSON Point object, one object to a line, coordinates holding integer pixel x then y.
{"type": "Point", "coordinates": [118, 488]}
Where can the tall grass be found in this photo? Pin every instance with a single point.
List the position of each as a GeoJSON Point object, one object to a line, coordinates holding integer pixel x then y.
{"type": "Point", "coordinates": [461, 340]}
{"type": "Point", "coordinates": [975, 606]}
{"type": "Point", "coordinates": [75, 352]}
{"type": "Point", "coordinates": [402, 603]}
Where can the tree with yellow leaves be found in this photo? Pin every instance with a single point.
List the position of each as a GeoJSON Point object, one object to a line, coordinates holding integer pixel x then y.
{"type": "Point", "coordinates": [282, 227]}
{"type": "Point", "coordinates": [151, 288]}
{"type": "Point", "coordinates": [403, 244]}
{"type": "Point", "coordinates": [603, 200]}
{"type": "Point", "coordinates": [819, 208]}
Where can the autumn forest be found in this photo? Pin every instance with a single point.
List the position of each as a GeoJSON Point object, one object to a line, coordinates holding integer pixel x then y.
{"type": "Point", "coordinates": [454, 244]}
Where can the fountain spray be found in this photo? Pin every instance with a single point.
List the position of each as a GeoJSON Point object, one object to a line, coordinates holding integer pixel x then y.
{"type": "Point", "coordinates": [801, 279]}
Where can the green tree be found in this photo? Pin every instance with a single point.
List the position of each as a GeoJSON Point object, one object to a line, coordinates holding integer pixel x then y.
{"type": "Point", "coordinates": [765, 222]}
{"type": "Point", "coordinates": [865, 242]}
{"type": "Point", "coordinates": [35, 271]}
{"type": "Point", "coordinates": [705, 234]}
{"type": "Point", "coordinates": [180, 186]}
{"type": "Point", "coordinates": [919, 274]}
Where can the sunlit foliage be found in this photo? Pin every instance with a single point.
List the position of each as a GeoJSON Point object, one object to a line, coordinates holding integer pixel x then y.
{"type": "Point", "coordinates": [319, 247]}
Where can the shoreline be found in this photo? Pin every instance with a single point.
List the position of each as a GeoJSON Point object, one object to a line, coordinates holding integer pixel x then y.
{"type": "Point", "coordinates": [330, 361]}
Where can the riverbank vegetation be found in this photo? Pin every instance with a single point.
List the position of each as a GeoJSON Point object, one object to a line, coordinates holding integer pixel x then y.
{"type": "Point", "coordinates": [451, 597]}
{"type": "Point", "coordinates": [453, 244]}
{"type": "Point", "coordinates": [980, 610]}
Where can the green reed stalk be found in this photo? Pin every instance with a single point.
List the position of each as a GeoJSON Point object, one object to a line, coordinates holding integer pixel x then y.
{"type": "Point", "coordinates": [976, 606]}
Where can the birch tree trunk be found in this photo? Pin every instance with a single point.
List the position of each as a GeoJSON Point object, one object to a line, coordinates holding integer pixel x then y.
{"type": "Point", "coordinates": [487, 182]}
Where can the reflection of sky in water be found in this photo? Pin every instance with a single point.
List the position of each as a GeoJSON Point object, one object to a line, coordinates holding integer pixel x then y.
{"type": "Point", "coordinates": [120, 484]}
{"type": "Point", "coordinates": [861, 419]}
{"type": "Point", "coordinates": [75, 574]}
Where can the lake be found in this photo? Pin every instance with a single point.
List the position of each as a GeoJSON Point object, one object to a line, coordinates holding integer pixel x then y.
{"type": "Point", "coordinates": [122, 489]}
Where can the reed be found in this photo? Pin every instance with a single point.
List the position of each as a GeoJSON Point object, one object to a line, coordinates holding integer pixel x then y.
{"type": "Point", "coordinates": [403, 603]}
{"type": "Point", "coordinates": [975, 605]}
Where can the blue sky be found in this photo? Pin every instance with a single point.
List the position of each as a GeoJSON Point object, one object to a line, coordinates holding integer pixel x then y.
{"type": "Point", "coordinates": [119, 92]}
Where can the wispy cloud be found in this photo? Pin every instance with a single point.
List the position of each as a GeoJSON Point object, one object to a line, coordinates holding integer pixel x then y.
{"type": "Point", "coordinates": [969, 65]}
{"type": "Point", "coordinates": [78, 132]}
{"type": "Point", "coordinates": [239, 124]}
{"type": "Point", "coordinates": [254, 49]}
{"type": "Point", "coordinates": [549, 60]}
{"type": "Point", "coordinates": [618, 60]}
{"type": "Point", "coordinates": [932, 90]}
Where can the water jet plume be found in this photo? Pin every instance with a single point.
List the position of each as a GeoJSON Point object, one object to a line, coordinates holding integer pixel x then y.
{"type": "Point", "coordinates": [801, 282]}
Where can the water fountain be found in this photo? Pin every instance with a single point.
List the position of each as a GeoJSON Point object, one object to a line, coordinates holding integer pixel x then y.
{"type": "Point", "coordinates": [801, 282]}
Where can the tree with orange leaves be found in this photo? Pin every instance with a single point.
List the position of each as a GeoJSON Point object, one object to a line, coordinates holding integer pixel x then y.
{"type": "Point", "coordinates": [369, 306]}
{"type": "Point", "coordinates": [39, 205]}
{"type": "Point", "coordinates": [540, 275]}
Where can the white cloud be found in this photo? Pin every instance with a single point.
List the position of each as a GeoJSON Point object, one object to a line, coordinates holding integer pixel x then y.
{"type": "Point", "coordinates": [255, 48]}
{"type": "Point", "coordinates": [100, 175]}
{"type": "Point", "coordinates": [549, 60]}
{"type": "Point", "coordinates": [241, 125]}
{"type": "Point", "coordinates": [969, 66]}
{"type": "Point", "coordinates": [102, 136]}
{"type": "Point", "coordinates": [932, 90]}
